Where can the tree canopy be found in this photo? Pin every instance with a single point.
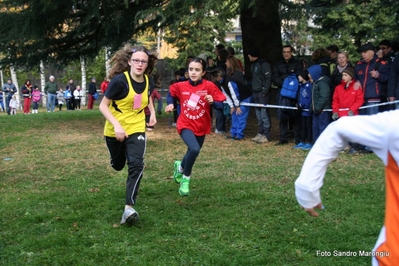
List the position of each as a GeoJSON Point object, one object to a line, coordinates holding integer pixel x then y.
{"type": "Point", "coordinates": [60, 32]}
{"type": "Point", "coordinates": [63, 31]}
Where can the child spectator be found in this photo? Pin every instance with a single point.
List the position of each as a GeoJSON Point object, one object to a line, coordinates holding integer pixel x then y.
{"type": "Point", "coordinates": [2, 101]}
{"type": "Point", "coordinates": [78, 96]}
{"type": "Point", "coordinates": [305, 104]}
{"type": "Point", "coordinates": [14, 105]}
{"type": "Point", "coordinates": [60, 98]}
{"type": "Point", "coordinates": [321, 94]}
{"type": "Point", "coordinates": [196, 96]}
{"type": "Point", "coordinates": [68, 98]}
{"type": "Point", "coordinates": [347, 100]}
{"type": "Point", "coordinates": [236, 93]}
{"type": "Point", "coordinates": [36, 96]}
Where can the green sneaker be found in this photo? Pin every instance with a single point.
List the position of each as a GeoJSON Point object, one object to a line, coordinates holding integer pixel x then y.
{"type": "Point", "coordinates": [184, 189]}
{"type": "Point", "coordinates": [177, 176]}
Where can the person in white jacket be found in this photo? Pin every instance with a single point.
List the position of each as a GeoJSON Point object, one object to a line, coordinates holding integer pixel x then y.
{"type": "Point", "coordinates": [380, 132]}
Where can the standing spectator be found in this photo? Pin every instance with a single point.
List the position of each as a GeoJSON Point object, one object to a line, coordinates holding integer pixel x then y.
{"type": "Point", "coordinates": [36, 96]}
{"type": "Point", "coordinates": [321, 94]}
{"type": "Point", "coordinates": [371, 72]}
{"type": "Point", "coordinates": [231, 52]}
{"type": "Point", "coordinates": [221, 62]}
{"type": "Point", "coordinates": [393, 82]}
{"type": "Point", "coordinates": [50, 89]}
{"type": "Point", "coordinates": [91, 92]}
{"type": "Point", "coordinates": [14, 105]}
{"type": "Point", "coordinates": [333, 51]}
{"type": "Point", "coordinates": [78, 97]}
{"type": "Point", "coordinates": [347, 100]}
{"type": "Point", "coordinates": [26, 91]}
{"type": "Point", "coordinates": [218, 47]}
{"type": "Point", "coordinates": [123, 108]}
{"type": "Point", "coordinates": [196, 96]}
{"type": "Point", "coordinates": [305, 105]}
{"type": "Point", "coordinates": [289, 65]}
{"type": "Point", "coordinates": [2, 101]}
{"type": "Point", "coordinates": [68, 96]}
{"type": "Point", "coordinates": [261, 82]}
{"type": "Point", "coordinates": [322, 57]}
{"type": "Point", "coordinates": [71, 86]}
{"type": "Point", "coordinates": [221, 118]}
{"type": "Point", "coordinates": [385, 53]}
{"type": "Point", "coordinates": [346, 97]}
{"type": "Point", "coordinates": [233, 69]}
{"type": "Point", "coordinates": [342, 63]}
{"type": "Point", "coordinates": [236, 92]}
{"type": "Point", "coordinates": [104, 85]}
{"type": "Point", "coordinates": [8, 91]}
{"type": "Point", "coordinates": [60, 98]}
{"type": "Point", "coordinates": [210, 64]}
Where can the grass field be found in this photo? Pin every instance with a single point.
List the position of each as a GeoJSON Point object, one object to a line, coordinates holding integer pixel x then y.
{"type": "Point", "coordinates": [61, 202]}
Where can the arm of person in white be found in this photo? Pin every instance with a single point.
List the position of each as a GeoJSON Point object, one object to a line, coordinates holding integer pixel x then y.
{"type": "Point", "coordinates": [372, 131]}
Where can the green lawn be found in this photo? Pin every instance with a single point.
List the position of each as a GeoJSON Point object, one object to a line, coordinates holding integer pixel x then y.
{"type": "Point", "coordinates": [61, 202]}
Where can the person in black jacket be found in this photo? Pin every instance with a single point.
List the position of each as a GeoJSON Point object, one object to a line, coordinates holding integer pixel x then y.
{"type": "Point", "coordinates": [261, 81]}
{"type": "Point", "coordinates": [393, 82]}
{"type": "Point", "coordinates": [92, 91]}
{"type": "Point", "coordinates": [282, 70]}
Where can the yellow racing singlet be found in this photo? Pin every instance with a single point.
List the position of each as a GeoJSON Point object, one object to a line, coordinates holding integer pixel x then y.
{"type": "Point", "coordinates": [129, 111]}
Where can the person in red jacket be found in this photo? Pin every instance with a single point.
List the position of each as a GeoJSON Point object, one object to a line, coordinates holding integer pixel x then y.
{"type": "Point", "coordinates": [104, 85]}
{"type": "Point", "coordinates": [347, 100]}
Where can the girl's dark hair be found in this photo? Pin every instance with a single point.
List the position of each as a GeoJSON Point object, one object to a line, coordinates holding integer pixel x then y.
{"type": "Point", "coordinates": [201, 61]}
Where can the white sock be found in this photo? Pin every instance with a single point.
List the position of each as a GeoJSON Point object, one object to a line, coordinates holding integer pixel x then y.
{"type": "Point", "coordinates": [186, 177]}
{"type": "Point", "coordinates": [180, 169]}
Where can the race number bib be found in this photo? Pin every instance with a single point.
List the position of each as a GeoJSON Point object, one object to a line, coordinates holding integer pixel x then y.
{"type": "Point", "coordinates": [193, 101]}
{"type": "Point", "coordinates": [137, 101]}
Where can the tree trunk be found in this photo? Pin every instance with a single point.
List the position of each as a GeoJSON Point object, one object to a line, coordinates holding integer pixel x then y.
{"type": "Point", "coordinates": [260, 26]}
{"type": "Point", "coordinates": [15, 81]}
{"type": "Point", "coordinates": [42, 83]}
{"type": "Point", "coordinates": [107, 61]}
{"type": "Point", "coordinates": [83, 69]}
{"type": "Point", "coordinates": [1, 77]}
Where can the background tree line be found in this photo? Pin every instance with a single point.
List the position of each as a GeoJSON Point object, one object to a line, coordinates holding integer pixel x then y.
{"type": "Point", "coordinates": [61, 33]}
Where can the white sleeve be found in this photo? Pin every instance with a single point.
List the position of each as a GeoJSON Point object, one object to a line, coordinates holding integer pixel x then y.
{"type": "Point", "coordinates": [233, 94]}
{"type": "Point", "coordinates": [373, 131]}
{"type": "Point", "coordinates": [228, 99]}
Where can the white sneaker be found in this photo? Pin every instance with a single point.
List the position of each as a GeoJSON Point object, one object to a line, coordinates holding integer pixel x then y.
{"type": "Point", "coordinates": [262, 139]}
{"type": "Point", "coordinates": [220, 132]}
{"type": "Point", "coordinates": [129, 216]}
{"type": "Point", "coordinates": [257, 137]}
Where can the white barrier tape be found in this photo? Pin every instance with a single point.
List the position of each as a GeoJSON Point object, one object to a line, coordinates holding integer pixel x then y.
{"type": "Point", "coordinates": [296, 108]}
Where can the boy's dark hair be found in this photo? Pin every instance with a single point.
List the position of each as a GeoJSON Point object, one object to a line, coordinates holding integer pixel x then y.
{"type": "Point", "coordinates": [230, 50]}
{"type": "Point", "coordinates": [219, 46]}
{"type": "Point", "coordinates": [332, 48]}
{"type": "Point", "coordinates": [223, 55]}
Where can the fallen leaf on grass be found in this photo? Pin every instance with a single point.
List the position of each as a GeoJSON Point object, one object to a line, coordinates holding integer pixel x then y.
{"type": "Point", "coordinates": [92, 190]}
